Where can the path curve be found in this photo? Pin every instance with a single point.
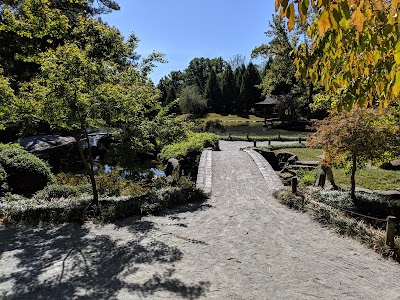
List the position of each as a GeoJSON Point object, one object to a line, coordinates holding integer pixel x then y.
{"type": "Point", "coordinates": [241, 244]}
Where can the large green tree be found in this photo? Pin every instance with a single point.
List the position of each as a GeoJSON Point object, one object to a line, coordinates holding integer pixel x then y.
{"type": "Point", "coordinates": [212, 92]}
{"type": "Point", "coordinates": [65, 67]}
{"type": "Point", "coordinates": [280, 72]}
{"type": "Point", "coordinates": [76, 92]}
{"type": "Point", "coordinates": [30, 27]}
{"type": "Point", "coordinates": [228, 90]}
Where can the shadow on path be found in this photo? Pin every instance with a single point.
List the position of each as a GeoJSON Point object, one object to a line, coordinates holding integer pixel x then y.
{"type": "Point", "coordinates": [72, 262]}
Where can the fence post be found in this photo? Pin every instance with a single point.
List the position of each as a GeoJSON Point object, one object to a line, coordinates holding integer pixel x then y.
{"type": "Point", "coordinates": [269, 142]}
{"type": "Point", "coordinates": [390, 230]}
{"type": "Point", "coordinates": [248, 137]}
{"type": "Point", "coordinates": [255, 143]}
{"type": "Point", "coordinates": [299, 140]}
{"type": "Point", "coordinates": [294, 185]}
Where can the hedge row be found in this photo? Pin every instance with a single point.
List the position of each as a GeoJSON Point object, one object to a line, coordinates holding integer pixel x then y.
{"type": "Point", "coordinates": [109, 209]}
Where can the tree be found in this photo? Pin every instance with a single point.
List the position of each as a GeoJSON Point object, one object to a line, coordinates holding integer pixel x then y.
{"type": "Point", "coordinates": [236, 61]}
{"type": "Point", "coordinates": [355, 49]}
{"type": "Point", "coordinates": [280, 72]}
{"type": "Point", "coordinates": [170, 86]}
{"type": "Point", "coordinates": [197, 73]}
{"type": "Point", "coordinates": [359, 136]}
{"type": "Point", "coordinates": [213, 93]}
{"type": "Point", "coordinates": [228, 90]}
{"type": "Point", "coordinates": [30, 27]}
{"type": "Point", "coordinates": [238, 101]}
{"type": "Point", "coordinates": [191, 101]}
{"type": "Point", "coordinates": [6, 100]}
{"type": "Point", "coordinates": [75, 92]}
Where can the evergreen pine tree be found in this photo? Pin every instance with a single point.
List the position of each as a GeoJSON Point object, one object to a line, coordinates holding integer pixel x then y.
{"type": "Point", "coordinates": [254, 93]}
{"type": "Point", "coordinates": [213, 92]}
{"type": "Point", "coordinates": [228, 89]}
{"type": "Point", "coordinates": [171, 95]}
{"type": "Point", "coordinates": [237, 104]}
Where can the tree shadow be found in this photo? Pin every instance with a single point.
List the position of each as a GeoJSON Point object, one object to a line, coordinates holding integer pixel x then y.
{"type": "Point", "coordinates": [76, 262]}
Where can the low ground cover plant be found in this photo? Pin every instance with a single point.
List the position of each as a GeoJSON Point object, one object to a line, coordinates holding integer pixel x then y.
{"type": "Point", "coordinates": [59, 204]}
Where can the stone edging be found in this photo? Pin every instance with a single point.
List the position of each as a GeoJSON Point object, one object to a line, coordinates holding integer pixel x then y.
{"type": "Point", "coordinates": [272, 179]}
{"type": "Point", "coordinates": [204, 174]}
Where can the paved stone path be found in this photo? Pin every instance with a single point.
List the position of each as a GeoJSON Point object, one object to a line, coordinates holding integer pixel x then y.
{"type": "Point", "coordinates": [241, 244]}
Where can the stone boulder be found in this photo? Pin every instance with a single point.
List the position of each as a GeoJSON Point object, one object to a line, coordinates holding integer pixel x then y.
{"type": "Point", "coordinates": [42, 144]}
{"type": "Point", "coordinates": [59, 151]}
{"type": "Point", "coordinates": [285, 156]}
{"type": "Point", "coordinates": [392, 165]}
{"type": "Point", "coordinates": [270, 156]}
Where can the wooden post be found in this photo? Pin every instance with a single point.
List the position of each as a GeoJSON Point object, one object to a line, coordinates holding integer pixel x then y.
{"type": "Point", "coordinates": [279, 135]}
{"type": "Point", "coordinates": [390, 230]}
{"type": "Point", "coordinates": [248, 137]}
{"type": "Point", "coordinates": [269, 142]}
{"type": "Point", "coordinates": [294, 185]}
{"type": "Point", "coordinates": [230, 137]}
{"type": "Point", "coordinates": [299, 140]}
{"type": "Point", "coordinates": [255, 143]}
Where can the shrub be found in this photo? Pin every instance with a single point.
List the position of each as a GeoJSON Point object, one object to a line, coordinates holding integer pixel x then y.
{"type": "Point", "coordinates": [71, 179]}
{"type": "Point", "coordinates": [114, 184]}
{"type": "Point", "coordinates": [26, 174]}
{"type": "Point", "coordinates": [214, 125]}
{"type": "Point", "coordinates": [57, 191]}
{"type": "Point", "coordinates": [307, 177]}
{"type": "Point", "coordinates": [17, 209]}
{"type": "Point", "coordinates": [193, 145]}
{"type": "Point", "coordinates": [294, 201]}
{"type": "Point", "coordinates": [191, 101]}
{"type": "Point", "coordinates": [367, 204]}
{"type": "Point", "coordinates": [3, 181]}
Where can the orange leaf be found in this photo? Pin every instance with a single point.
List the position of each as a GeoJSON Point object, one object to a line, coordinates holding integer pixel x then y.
{"type": "Point", "coordinates": [323, 22]}
{"type": "Point", "coordinates": [378, 4]}
{"type": "Point", "coordinates": [282, 12]}
{"type": "Point", "coordinates": [290, 15]}
{"type": "Point", "coordinates": [277, 4]}
{"type": "Point", "coordinates": [358, 19]}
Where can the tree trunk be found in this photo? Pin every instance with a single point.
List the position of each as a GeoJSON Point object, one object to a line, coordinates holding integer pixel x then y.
{"type": "Point", "coordinates": [88, 165]}
{"type": "Point", "coordinates": [310, 100]}
{"type": "Point", "coordinates": [353, 176]}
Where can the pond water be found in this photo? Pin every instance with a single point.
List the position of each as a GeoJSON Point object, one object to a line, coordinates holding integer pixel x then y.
{"type": "Point", "coordinates": [109, 168]}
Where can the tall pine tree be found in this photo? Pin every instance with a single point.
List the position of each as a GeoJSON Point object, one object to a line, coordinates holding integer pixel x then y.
{"type": "Point", "coordinates": [228, 89]}
{"type": "Point", "coordinates": [213, 93]}
{"type": "Point", "coordinates": [237, 104]}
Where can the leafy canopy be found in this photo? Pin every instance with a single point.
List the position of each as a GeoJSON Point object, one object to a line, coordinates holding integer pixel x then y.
{"type": "Point", "coordinates": [355, 49]}
{"type": "Point", "coordinates": [364, 132]}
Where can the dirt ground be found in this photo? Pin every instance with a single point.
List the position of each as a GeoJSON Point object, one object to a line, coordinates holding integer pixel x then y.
{"type": "Point", "coordinates": [240, 244]}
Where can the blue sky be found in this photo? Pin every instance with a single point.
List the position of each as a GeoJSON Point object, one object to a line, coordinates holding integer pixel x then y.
{"type": "Point", "coordinates": [185, 29]}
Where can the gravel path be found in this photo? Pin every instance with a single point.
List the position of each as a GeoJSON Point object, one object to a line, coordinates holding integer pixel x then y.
{"type": "Point", "coordinates": [241, 244]}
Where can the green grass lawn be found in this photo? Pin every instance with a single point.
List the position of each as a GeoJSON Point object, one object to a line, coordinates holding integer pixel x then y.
{"type": "Point", "coordinates": [303, 153]}
{"type": "Point", "coordinates": [224, 118]}
{"type": "Point", "coordinates": [369, 178]}
{"type": "Point", "coordinates": [373, 179]}
{"type": "Point", "coordinates": [256, 130]}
